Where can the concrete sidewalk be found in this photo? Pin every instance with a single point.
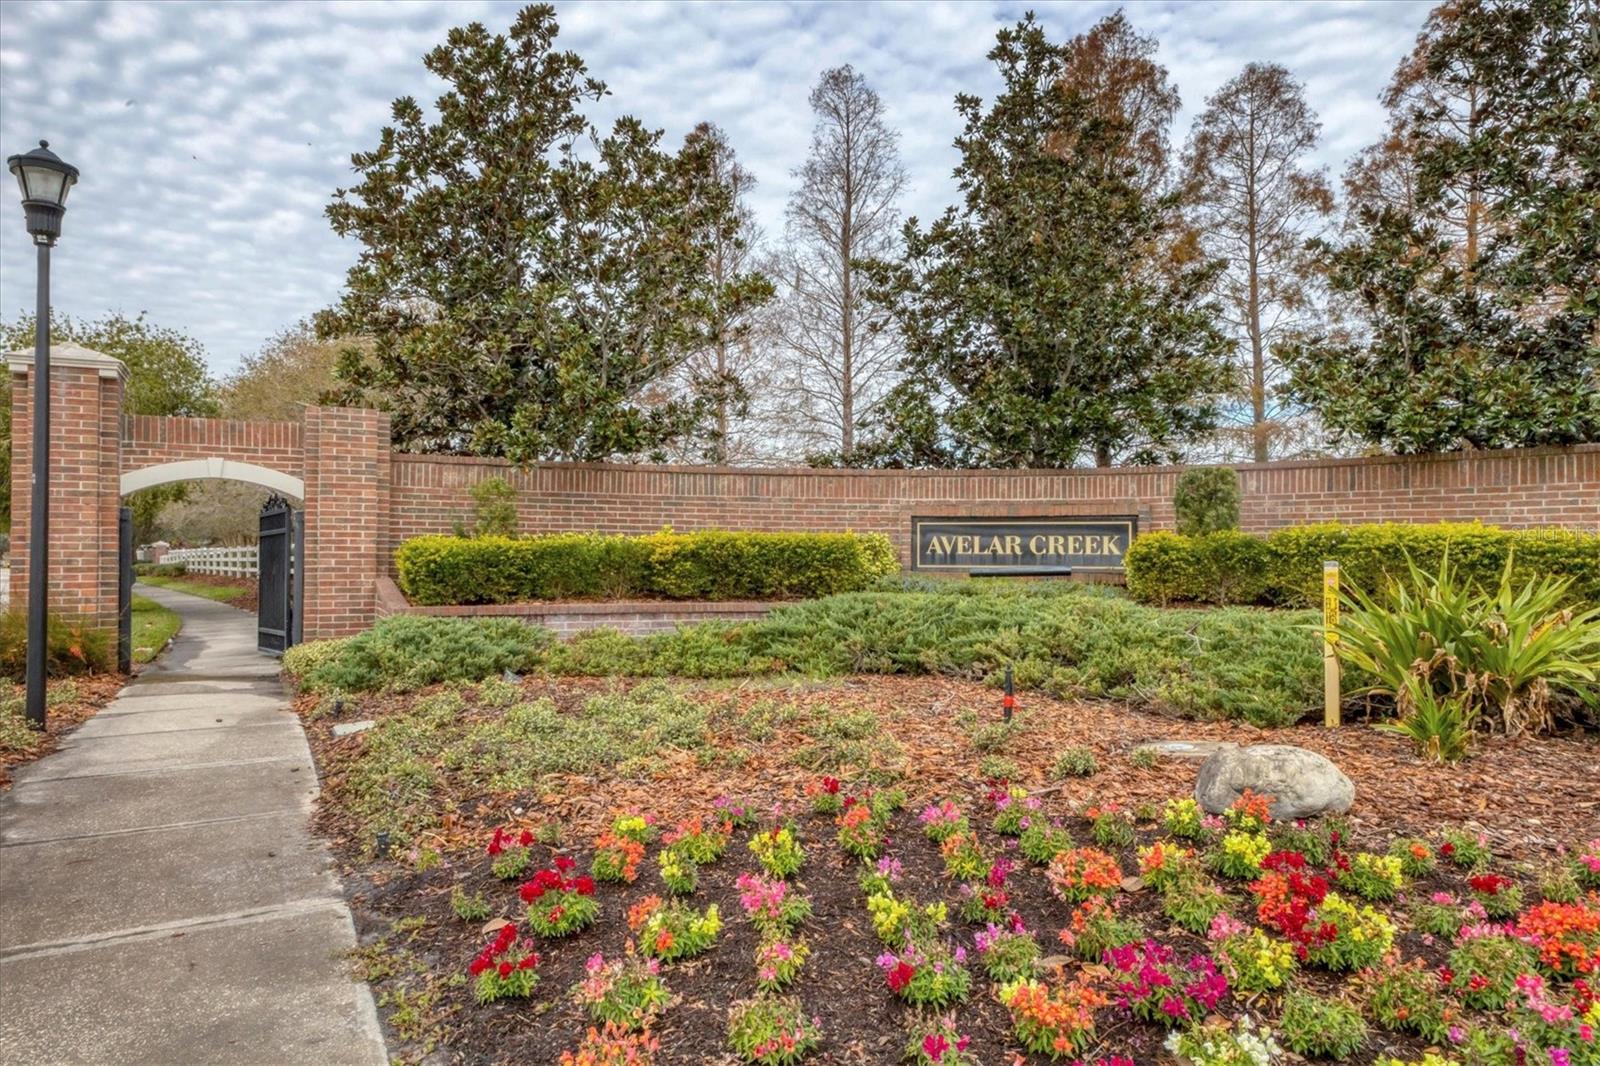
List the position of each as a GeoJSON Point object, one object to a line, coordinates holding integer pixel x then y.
{"type": "Point", "coordinates": [162, 899]}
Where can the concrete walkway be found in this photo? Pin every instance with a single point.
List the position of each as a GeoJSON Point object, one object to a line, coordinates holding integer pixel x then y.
{"type": "Point", "coordinates": [162, 899]}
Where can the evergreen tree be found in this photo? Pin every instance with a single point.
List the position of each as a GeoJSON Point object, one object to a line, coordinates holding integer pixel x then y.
{"type": "Point", "coordinates": [1061, 312]}
{"type": "Point", "coordinates": [1474, 298]}
{"type": "Point", "coordinates": [527, 284]}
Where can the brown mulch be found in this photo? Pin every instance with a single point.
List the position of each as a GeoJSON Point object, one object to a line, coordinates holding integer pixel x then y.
{"type": "Point", "coordinates": [1528, 796]}
{"type": "Point", "coordinates": [94, 691]}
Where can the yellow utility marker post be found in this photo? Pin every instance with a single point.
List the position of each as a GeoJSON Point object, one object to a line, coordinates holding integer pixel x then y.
{"type": "Point", "coordinates": [1330, 640]}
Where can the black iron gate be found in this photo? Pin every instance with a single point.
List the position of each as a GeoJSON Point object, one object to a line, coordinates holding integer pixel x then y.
{"type": "Point", "coordinates": [281, 545]}
{"type": "Point", "coordinates": [125, 589]}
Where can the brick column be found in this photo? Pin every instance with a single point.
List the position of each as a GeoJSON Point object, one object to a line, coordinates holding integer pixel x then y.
{"type": "Point", "coordinates": [85, 470]}
{"type": "Point", "coordinates": [347, 517]}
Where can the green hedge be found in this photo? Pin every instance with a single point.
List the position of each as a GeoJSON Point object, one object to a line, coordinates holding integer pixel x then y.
{"type": "Point", "coordinates": [1285, 567]}
{"type": "Point", "coordinates": [437, 570]}
{"type": "Point", "coordinates": [160, 569]}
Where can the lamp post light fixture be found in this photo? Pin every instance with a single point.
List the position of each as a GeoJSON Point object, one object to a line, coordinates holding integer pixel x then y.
{"type": "Point", "coordinates": [45, 182]}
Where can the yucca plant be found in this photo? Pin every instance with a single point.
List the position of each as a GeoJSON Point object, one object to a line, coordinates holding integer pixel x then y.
{"type": "Point", "coordinates": [1433, 638]}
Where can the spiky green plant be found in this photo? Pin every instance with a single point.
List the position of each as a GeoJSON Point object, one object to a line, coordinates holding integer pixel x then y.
{"type": "Point", "coordinates": [1446, 650]}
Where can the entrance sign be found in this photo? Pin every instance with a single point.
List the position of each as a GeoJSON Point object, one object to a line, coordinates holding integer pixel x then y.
{"type": "Point", "coordinates": [1022, 545]}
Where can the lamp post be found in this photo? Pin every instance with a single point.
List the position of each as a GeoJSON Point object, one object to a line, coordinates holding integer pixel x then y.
{"type": "Point", "coordinates": [45, 182]}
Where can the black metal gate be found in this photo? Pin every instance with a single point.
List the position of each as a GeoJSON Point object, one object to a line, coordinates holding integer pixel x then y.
{"type": "Point", "coordinates": [125, 589]}
{"type": "Point", "coordinates": [277, 624]}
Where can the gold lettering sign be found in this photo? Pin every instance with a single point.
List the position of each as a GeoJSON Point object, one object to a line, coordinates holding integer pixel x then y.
{"type": "Point", "coordinates": [983, 545]}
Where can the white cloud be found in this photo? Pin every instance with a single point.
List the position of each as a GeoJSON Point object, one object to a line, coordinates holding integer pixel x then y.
{"type": "Point", "coordinates": [211, 136]}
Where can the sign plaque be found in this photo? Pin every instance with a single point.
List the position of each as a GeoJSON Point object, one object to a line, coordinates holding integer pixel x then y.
{"type": "Point", "coordinates": [1022, 545]}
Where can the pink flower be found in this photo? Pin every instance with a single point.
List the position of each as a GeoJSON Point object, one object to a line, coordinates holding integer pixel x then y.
{"type": "Point", "coordinates": [934, 1045]}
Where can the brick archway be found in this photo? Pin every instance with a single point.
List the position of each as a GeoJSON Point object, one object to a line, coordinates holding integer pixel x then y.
{"type": "Point", "coordinates": [335, 460]}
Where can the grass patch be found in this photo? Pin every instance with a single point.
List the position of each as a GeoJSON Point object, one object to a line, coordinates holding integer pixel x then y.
{"type": "Point", "coordinates": [153, 626]}
{"type": "Point", "coordinates": [219, 592]}
{"type": "Point", "coordinates": [1071, 641]}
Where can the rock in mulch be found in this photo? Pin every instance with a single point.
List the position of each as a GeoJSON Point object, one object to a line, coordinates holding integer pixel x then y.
{"type": "Point", "coordinates": [1302, 783]}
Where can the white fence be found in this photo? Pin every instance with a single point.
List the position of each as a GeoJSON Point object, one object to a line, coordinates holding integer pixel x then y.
{"type": "Point", "coordinates": [229, 562]}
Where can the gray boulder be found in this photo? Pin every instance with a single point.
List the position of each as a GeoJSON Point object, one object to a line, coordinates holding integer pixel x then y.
{"type": "Point", "coordinates": [1301, 783]}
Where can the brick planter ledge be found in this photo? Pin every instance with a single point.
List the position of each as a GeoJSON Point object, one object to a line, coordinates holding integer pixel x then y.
{"type": "Point", "coordinates": [635, 617]}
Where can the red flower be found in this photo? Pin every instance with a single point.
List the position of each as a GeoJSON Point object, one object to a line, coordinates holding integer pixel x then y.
{"type": "Point", "coordinates": [830, 785]}
{"type": "Point", "coordinates": [526, 838]}
{"type": "Point", "coordinates": [505, 970]}
{"type": "Point", "coordinates": [478, 965]}
{"type": "Point", "coordinates": [1489, 884]}
{"type": "Point", "coordinates": [584, 885]}
{"type": "Point", "coordinates": [530, 891]}
{"type": "Point", "coordinates": [849, 802]}
{"type": "Point", "coordinates": [528, 962]}
{"type": "Point", "coordinates": [901, 976]}
{"type": "Point", "coordinates": [1447, 849]}
{"type": "Point", "coordinates": [564, 863]}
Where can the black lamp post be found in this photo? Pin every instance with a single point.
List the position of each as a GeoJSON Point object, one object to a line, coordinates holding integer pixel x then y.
{"type": "Point", "coordinates": [45, 182]}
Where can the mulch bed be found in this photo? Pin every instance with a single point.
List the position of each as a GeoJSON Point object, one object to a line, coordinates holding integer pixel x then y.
{"type": "Point", "coordinates": [93, 692]}
{"type": "Point", "coordinates": [1527, 796]}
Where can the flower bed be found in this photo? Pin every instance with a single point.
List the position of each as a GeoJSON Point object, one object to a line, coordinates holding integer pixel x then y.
{"type": "Point", "coordinates": [825, 922]}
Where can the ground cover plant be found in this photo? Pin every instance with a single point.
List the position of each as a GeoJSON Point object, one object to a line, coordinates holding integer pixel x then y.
{"type": "Point", "coordinates": [946, 942]}
{"type": "Point", "coordinates": [1067, 640]}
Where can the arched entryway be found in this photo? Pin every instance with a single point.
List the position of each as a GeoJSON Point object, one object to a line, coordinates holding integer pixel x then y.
{"type": "Point", "coordinates": [333, 462]}
{"type": "Point", "coordinates": [214, 468]}
{"type": "Point", "coordinates": [271, 514]}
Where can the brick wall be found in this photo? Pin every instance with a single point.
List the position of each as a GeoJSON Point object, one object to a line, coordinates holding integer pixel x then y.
{"type": "Point", "coordinates": [347, 462]}
{"type": "Point", "coordinates": [362, 500]}
{"type": "Point", "coordinates": [1516, 489]}
{"type": "Point", "coordinates": [149, 440]}
{"type": "Point", "coordinates": [84, 410]}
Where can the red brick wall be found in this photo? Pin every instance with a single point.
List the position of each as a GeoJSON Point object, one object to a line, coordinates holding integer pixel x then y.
{"type": "Point", "coordinates": [362, 500]}
{"type": "Point", "coordinates": [1516, 489]}
{"type": "Point", "coordinates": [149, 440]}
{"type": "Point", "coordinates": [84, 411]}
{"type": "Point", "coordinates": [347, 462]}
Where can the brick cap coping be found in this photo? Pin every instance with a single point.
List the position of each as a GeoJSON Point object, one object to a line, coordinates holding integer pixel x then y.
{"type": "Point", "coordinates": [392, 601]}
{"type": "Point", "coordinates": [826, 471]}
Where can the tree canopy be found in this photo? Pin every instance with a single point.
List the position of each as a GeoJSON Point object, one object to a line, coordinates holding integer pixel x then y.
{"type": "Point", "coordinates": [1061, 311]}
{"type": "Point", "coordinates": [524, 279]}
{"type": "Point", "coordinates": [1470, 276]}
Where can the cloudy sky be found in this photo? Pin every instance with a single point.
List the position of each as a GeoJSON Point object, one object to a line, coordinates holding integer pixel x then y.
{"type": "Point", "coordinates": [211, 136]}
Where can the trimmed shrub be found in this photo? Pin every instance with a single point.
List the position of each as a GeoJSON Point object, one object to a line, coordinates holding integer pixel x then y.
{"type": "Point", "coordinates": [1206, 500]}
{"type": "Point", "coordinates": [704, 566]}
{"type": "Point", "coordinates": [1223, 568]}
{"type": "Point", "coordinates": [494, 508]}
{"type": "Point", "coordinates": [74, 647]}
{"type": "Point", "coordinates": [160, 569]}
{"type": "Point", "coordinates": [1285, 567]}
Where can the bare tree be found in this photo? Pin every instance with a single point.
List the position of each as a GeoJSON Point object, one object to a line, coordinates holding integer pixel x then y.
{"type": "Point", "coordinates": [1256, 204]}
{"type": "Point", "coordinates": [735, 368]}
{"type": "Point", "coordinates": [843, 211]}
